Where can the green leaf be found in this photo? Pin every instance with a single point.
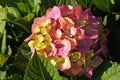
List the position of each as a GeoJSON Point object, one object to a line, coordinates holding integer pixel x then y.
{"type": "Point", "coordinates": [107, 71]}
{"type": "Point", "coordinates": [40, 69]}
{"type": "Point", "coordinates": [3, 14]}
{"type": "Point", "coordinates": [26, 19]}
{"type": "Point", "coordinates": [117, 16]}
{"type": "Point", "coordinates": [23, 23]}
{"type": "Point", "coordinates": [32, 3]}
{"type": "Point", "coordinates": [36, 9]}
{"type": "Point", "coordinates": [3, 42]}
{"type": "Point", "coordinates": [115, 6]}
{"type": "Point", "coordinates": [13, 13]}
{"type": "Point", "coordinates": [60, 2]}
{"type": "Point", "coordinates": [104, 5]}
{"type": "Point", "coordinates": [71, 2]}
{"type": "Point", "coordinates": [67, 2]}
{"type": "Point", "coordinates": [2, 75]}
{"type": "Point", "coordinates": [3, 47]}
{"type": "Point", "coordinates": [43, 7]}
{"type": "Point", "coordinates": [24, 8]}
{"type": "Point", "coordinates": [3, 59]}
{"type": "Point", "coordinates": [105, 20]}
{"type": "Point", "coordinates": [8, 2]}
{"type": "Point", "coordinates": [113, 73]}
{"type": "Point", "coordinates": [100, 70]}
{"type": "Point", "coordinates": [25, 50]}
{"type": "Point", "coordinates": [14, 77]}
{"type": "Point", "coordinates": [22, 57]}
{"type": "Point", "coordinates": [82, 2]}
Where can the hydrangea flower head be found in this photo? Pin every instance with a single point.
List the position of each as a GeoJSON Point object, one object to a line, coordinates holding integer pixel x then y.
{"type": "Point", "coordinates": [72, 39]}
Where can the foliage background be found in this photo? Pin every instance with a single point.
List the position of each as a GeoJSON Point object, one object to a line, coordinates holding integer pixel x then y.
{"type": "Point", "coordinates": [16, 17]}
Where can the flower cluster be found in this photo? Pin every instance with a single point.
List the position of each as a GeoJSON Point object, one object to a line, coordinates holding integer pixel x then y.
{"type": "Point", "coordinates": [71, 38]}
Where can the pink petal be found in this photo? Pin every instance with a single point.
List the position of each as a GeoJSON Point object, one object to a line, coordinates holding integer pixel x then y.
{"type": "Point", "coordinates": [80, 35]}
{"type": "Point", "coordinates": [33, 51]}
{"type": "Point", "coordinates": [92, 19]}
{"type": "Point", "coordinates": [37, 21]}
{"type": "Point", "coordinates": [84, 45]}
{"type": "Point", "coordinates": [68, 72]}
{"type": "Point", "coordinates": [91, 33]}
{"type": "Point", "coordinates": [93, 25]}
{"type": "Point", "coordinates": [55, 13]}
{"type": "Point", "coordinates": [105, 50]}
{"type": "Point", "coordinates": [76, 69]}
{"type": "Point", "coordinates": [89, 72]}
{"type": "Point", "coordinates": [76, 12]}
{"type": "Point", "coordinates": [63, 47]}
{"type": "Point", "coordinates": [84, 15]}
{"type": "Point", "coordinates": [51, 50]}
{"type": "Point", "coordinates": [72, 41]}
{"type": "Point", "coordinates": [56, 34]}
{"type": "Point", "coordinates": [61, 21]}
{"type": "Point", "coordinates": [73, 31]}
{"type": "Point", "coordinates": [30, 37]}
{"type": "Point", "coordinates": [66, 10]}
{"type": "Point", "coordinates": [64, 65]}
{"type": "Point", "coordinates": [96, 61]}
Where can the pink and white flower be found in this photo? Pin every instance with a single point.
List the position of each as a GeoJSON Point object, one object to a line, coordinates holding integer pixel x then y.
{"type": "Point", "coordinates": [72, 39]}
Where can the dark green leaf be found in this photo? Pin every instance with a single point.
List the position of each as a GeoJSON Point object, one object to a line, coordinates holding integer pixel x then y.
{"type": "Point", "coordinates": [115, 6]}
{"type": "Point", "coordinates": [43, 7]}
{"type": "Point", "coordinates": [26, 19]}
{"type": "Point", "coordinates": [82, 2]}
{"type": "Point", "coordinates": [60, 2]}
{"type": "Point", "coordinates": [104, 5]}
{"type": "Point", "coordinates": [67, 2]}
{"type": "Point", "coordinates": [71, 2]}
{"type": "Point", "coordinates": [23, 23]}
{"type": "Point", "coordinates": [14, 77]}
{"type": "Point", "coordinates": [8, 2]}
{"type": "Point", "coordinates": [13, 13]}
{"type": "Point", "coordinates": [25, 50]}
{"type": "Point", "coordinates": [40, 69]}
{"type": "Point", "coordinates": [22, 57]}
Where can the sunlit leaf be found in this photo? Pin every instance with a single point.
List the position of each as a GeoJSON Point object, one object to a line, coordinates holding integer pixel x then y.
{"type": "Point", "coordinates": [40, 69]}
{"type": "Point", "coordinates": [3, 14]}
{"type": "Point", "coordinates": [3, 59]}
{"type": "Point", "coordinates": [24, 8]}
{"type": "Point", "coordinates": [113, 73]}
{"type": "Point", "coordinates": [13, 13]}
{"type": "Point", "coordinates": [2, 75]}
{"type": "Point", "coordinates": [3, 43]}
{"type": "Point", "coordinates": [32, 3]}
